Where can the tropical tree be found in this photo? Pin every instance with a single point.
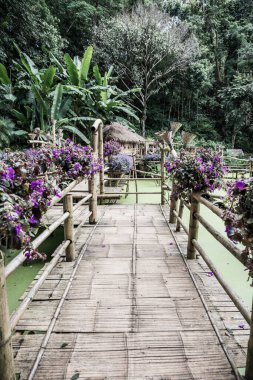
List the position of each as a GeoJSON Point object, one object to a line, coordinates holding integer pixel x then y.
{"type": "Point", "coordinates": [8, 132]}
{"type": "Point", "coordinates": [148, 48]}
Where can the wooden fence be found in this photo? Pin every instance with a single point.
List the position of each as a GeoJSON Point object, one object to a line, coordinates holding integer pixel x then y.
{"type": "Point", "coordinates": [67, 246]}
{"type": "Point", "coordinates": [176, 216]}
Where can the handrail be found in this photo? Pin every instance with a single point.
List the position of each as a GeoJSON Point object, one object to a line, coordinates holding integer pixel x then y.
{"type": "Point", "coordinates": [67, 246]}
{"type": "Point", "coordinates": [193, 246]}
{"type": "Point", "coordinates": [20, 258]}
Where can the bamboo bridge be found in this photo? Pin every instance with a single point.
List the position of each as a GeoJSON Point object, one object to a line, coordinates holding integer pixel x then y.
{"type": "Point", "coordinates": [129, 295]}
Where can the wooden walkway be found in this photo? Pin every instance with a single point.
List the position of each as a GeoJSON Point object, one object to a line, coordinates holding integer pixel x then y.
{"type": "Point", "coordinates": [128, 309]}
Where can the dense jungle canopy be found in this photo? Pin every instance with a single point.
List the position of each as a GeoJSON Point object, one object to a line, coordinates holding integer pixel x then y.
{"type": "Point", "coordinates": [191, 61]}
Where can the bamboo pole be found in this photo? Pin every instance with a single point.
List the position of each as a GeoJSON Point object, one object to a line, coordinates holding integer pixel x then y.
{"type": "Point", "coordinates": [193, 228]}
{"type": "Point", "coordinates": [173, 204]}
{"type": "Point", "coordinates": [208, 204]}
{"type": "Point", "coordinates": [32, 292]}
{"type": "Point", "coordinates": [6, 354]}
{"type": "Point", "coordinates": [162, 176]}
{"type": "Point", "coordinates": [220, 238]}
{"type": "Point", "coordinates": [20, 258]}
{"type": "Point", "coordinates": [231, 293]}
{"type": "Point", "coordinates": [180, 214]}
{"type": "Point", "coordinates": [249, 362]}
{"type": "Point", "coordinates": [93, 180]}
{"type": "Point", "coordinates": [135, 179]}
{"type": "Point", "coordinates": [180, 221]}
{"type": "Point", "coordinates": [132, 179]}
{"type": "Point", "coordinates": [101, 158]}
{"type": "Point", "coordinates": [81, 202]}
{"type": "Point", "coordinates": [69, 227]}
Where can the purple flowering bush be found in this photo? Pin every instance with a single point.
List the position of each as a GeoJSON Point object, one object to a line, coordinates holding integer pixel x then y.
{"type": "Point", "coordinates": [26, 192]}
{"type": "Point", "coordinates": [152, 157]}
{"type": "Point", "coordinates": [200, 172]}
{"type": "Point", "coordinates": [111, 148]}
{"type": "Point", "coordinates": [122, 163]}
{"type": "Point", "coordinates": [238, 217]}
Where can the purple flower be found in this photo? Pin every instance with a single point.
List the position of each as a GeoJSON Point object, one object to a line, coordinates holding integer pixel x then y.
{"type": "Point", "coordinates": [18, 229]}
{"type": "Point", "coordinates": [32, 220]}
{"type": "Point", "coordinates": [210, 274]}
{"type": "Point", "coordinates": [240, 185]}
{"type": "Point", "coordinates": [78, 167]}
{"type": "Point", "coordinates": [241, 326]}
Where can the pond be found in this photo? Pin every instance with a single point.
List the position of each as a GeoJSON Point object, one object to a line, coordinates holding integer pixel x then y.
{"type": "Point", "coordinates": [21, 278]}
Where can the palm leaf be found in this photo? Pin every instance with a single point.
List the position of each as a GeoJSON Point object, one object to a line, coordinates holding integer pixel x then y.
{"type": "Point", "coordinates": [85, 66]}
{"type": "Point", "coordinates": [127, 111]}
{"type": "Point", "coordinates": [109, 72]}
{"type": "Point", "coordinates": [76, 131]}
{"type": "Point", "coordinates": [56, 102]}
{"type": "Point", "coordinates": [39, 98]}
{"type": "Point", "coordinates": [48, 79]}
{"type": "Point", "coordinates": [4, 77]}
{"type": "Point", "coordinates": [97, 75]}
{"type": "Point", "coordinates": [19, 115]}
{"type": "Point", "coordinates": [72, 70]}
{"type": "Point", "coordinates": [58, 64]}
{"type": "Point", "coordinates": [30, 66]}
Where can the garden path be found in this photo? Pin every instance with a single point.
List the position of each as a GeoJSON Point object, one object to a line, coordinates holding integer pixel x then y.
{"type": "Point", "coordinates": [129, 309]}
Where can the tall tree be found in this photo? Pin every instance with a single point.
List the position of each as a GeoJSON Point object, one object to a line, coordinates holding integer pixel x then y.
{"type": "Point", "coordinates": [147, 48]}
{"type": "Point", "coordinates": [31, 26]}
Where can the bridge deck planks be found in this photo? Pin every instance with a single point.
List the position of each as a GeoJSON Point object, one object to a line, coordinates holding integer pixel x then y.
{"type": "Point", "coordinates": [132, 311]}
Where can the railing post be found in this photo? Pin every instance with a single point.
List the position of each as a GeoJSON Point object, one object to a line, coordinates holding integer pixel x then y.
{"type": "Point", "coordinates": [193, 228]}
{"type": "Point", "coordinates": [6, 354]}
{"type": "Point", "coordinates": [69, 227]}
{"type": "Point", "coordinates": [93, 181]}
{"type": "Point", "coordinates": [249, 362]}
{"type": "Point", "coordinates": [180, 214]}
{"type": "Point", "coordinates": [162, 176]}
{"type": "Point", "coordinates": [101, 157]}
{"type": "Point", "coordinates": [173, 204]}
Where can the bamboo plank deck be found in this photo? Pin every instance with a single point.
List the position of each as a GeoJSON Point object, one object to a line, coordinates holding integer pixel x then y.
{"type": "Point", "coordinates": [132, 311]}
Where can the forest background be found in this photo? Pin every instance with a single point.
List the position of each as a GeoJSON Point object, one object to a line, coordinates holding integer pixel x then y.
{"type": "Point", "coordinates": [210, 90]}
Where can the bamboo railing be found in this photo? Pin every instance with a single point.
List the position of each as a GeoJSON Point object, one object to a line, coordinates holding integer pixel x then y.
{"type": "Point", "coordinates": [176, 216]}
{"type": "Point", "coordinates": [7, 370]}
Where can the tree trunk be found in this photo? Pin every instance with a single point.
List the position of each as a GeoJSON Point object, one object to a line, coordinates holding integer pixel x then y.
{"type": "Point", "coordinates": [234, 138]}
{"type": "Point", "coordinates": [143, 119]}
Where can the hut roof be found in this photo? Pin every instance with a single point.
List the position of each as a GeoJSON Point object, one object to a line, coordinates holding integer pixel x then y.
{"type": "Point", "coordinates": [121, 133]}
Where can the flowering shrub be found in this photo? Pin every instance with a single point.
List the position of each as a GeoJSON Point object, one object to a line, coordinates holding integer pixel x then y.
{"type": "Point", "coordinates": [152, 157]}
{"type": "Point", "coordinates": [121, 163]}
{"type": "Point", "coordinates": [26, 194]}
{"type": "Point", "coordinates": [111, 147]}
{"type": "Point", "coordinates": [239, 217]}
{"type": "Point", "coordinates": [200, 172]}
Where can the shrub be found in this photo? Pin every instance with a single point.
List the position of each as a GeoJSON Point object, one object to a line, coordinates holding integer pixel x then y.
{"type": "Point", "coordinates": [200, 172]}
{"type": "Point", "coordinates": [238, 217]}
{"type": "Point", "coordinates": [121, 163]}
{"type": "Point", "coordinates": [152, 157]}
{"type": "Point", "coordinates": [26, 194]}
{"type": "Point", "coordinates": [111, 147]}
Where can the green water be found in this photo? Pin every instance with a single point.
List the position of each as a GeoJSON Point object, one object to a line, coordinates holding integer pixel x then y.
{"type": "Point", "coordinates": [232, 270]}
{"type": "Point", "coordinates": [21, 278]}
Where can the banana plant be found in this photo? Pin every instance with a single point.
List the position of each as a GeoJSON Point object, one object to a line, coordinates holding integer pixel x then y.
{"type": "Point", "coordinates": [77, 69]}
{"type": "Point", "coordinates": [8, 132]}
{"type": "Point", "coordinates": [58, 113]}
{"type": "Point", "coordinates": [109, 98]}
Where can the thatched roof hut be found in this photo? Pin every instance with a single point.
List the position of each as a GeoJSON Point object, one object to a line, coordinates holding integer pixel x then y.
{"type": "Point", "coordinates": [122, 134]}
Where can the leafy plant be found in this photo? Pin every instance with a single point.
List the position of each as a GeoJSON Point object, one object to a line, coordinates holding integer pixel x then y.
{"type": "Point", "coordinates": [121, 163]}
{"type": "Point", "coordinates": [238, 217]}
{"type": "Point", "coordinates": [200, 172]}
